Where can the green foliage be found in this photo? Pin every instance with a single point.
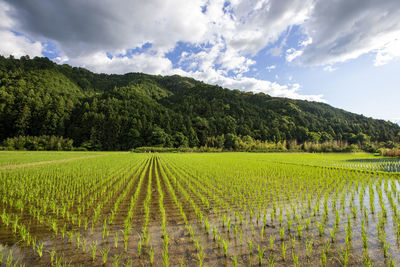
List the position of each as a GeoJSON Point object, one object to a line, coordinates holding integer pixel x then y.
{"type": "Point", "coordinates": [122, 112]}
{"type": "Point", "coordinates": [56, 143]}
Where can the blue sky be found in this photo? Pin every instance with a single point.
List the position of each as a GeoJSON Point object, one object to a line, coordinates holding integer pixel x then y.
{"type": "Point", "coordinates": [345, 52]}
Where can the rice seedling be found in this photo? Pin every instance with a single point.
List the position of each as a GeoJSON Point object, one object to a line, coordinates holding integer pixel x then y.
{"type": "Point", "coordinates": [151, 255]}
{"type": "Point", "coordinates": [283, 250]}
{"type": "Point", "coordinates": [39, 249]}
{"type": "Point", "coordinates": [260, 254]}
{"type": "Point", "coordinates": [367, 262]}
{"type": "Point", "coordinates": [52, 256]}
{"type": "Point", "coordinates": [78, 239]}
{"type": "Point", "coordinates": [1, 255]}
{"type": "Point", "coordinates": [116, 260]}
{"type": "Point", "coordinates": [225, 247]}
{"type": "Point", "coordinates": [300, 231]}
{"type": "Point", "coordinates": [214, 233]}
{"type": "Point", "coordinates": [391, 262]}
{"type": "Point", "coordinates": [323, 258]}
{"type": "Point", "coordinates": [104, 253]}
{"type": "Point", "coordinates": [333, 235]}
{"type": "Point", "coordinates": [344, 256]}
{"type": "Point", "coordinates": [282, 232]}
{"type": "Point", "coordinates": [200, 257]}
{"type": "Point", "coordinates": [84, 244]}
{"type": "Point", "coordinates": [364, 237]}
{"type": "Point", "coordinates": [94, 247]}
{"type": "Point", "coordinates": [9, 258]}
{"type": "Point", "coordinates": [250, 247]}
{"type": "Point", "coordinates": [321, 228]}
{"type": "Point", "coordinates": [385, 248]}
{"type": "Point", "coordinates": [295, 259]}
{"type": "Point", "coordinates": [293, 241]}
{"type": "Point", "coordinates": [289, 225]}
{"type": "Point", "coordinates": [217, 194]}
{"type": "Point", "coordinates": [140, 243]}
{"type": "Point", "coordinates": [309, 248]}
{"type": "Point", "coordinates": [234, 261]}
{"type": "Point", "coordinates": [324, 254]}
{"type": "Point", "coordinates": [271, 242]}
{"type": "Point", "coordinates": [129, 263]}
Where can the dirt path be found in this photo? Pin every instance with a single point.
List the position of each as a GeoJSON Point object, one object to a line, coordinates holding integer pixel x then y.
{"type": "Point", "coordinates": [43, 162]}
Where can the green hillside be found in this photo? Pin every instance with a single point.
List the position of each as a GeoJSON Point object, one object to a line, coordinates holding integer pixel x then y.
{"type": "Point", "coordinates": [121, 112]}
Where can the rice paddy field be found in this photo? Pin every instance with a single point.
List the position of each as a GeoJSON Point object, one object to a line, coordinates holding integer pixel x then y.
{"type": "Point", "coordinates": [198, 209]}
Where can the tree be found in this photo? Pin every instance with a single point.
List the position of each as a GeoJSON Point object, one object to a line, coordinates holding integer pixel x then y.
{"type": "Point", "coordinates": [113, 112]}
{"type": "Point", "coordinates": [159, 137]}
{"type": "Point", "coordinates": [193, 140]}
{"type": "Point", "coordinates": [362, 138]}
{"type": "Point", "coordinates": [219, 141]}
{"type": "Point", "coordinates": [180, 140]}
{"type": "Point", "coordinates": [230, 141]}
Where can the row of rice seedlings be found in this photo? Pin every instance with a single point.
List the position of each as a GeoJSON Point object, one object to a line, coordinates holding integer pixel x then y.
{"type": "Point", "coordinates": [124, 193]}
{"type": "Point", "coordinates": [49, 203]}
{"type": "Point", "coordinates": [228, 227]}
{"type": "Point", "coordinates": [133, 202]}
{"type": "Point", "coordinates": [52, 223]}
{"type": "Point", "coordinates": [23, 234]}
{"type": "Point", "coordinates": [138, 174]}
{"type": "Point", "coordinates": [192, 234]}
{"type": "Point", "coordinates": [337, 218]}
{"type": "Point", "coordinates": [163, 221]}
{"type": "Point", "coordinates": [278, 187]}
{"type": "Point", "coordinates": [108, 220]}
{"type": "Point", "coordinates": [145, 232]}
{"type": "Point", "coordinates": [48, 220]}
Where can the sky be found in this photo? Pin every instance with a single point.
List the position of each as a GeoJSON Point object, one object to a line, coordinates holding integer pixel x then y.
{"type": "Point", "coordinates": [342, 52]}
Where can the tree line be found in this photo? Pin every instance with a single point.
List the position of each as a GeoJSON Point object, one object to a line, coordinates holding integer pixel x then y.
{"type": "Point", "coordinates": [123, 112]}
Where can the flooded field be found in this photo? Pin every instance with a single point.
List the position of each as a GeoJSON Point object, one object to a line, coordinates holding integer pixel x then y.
{"type": "Point", "coordinates": [221, 209]}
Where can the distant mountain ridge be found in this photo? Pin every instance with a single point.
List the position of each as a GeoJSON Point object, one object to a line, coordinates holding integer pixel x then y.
{"type": "Point", "coordinates": [120, 112]}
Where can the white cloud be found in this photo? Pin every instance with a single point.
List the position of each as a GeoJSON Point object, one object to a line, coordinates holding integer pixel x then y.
{"type": "Point", "coordinates": [18, 46]}
{"type": "Point", "coordinates": [227, 35]}
{"type": "Point", "coordinates": [86, 27]}
{"type": "Point", "coordinates": [12, 44]}
{"type": "Point", "coordinates": [343, 30]}
{"type": "Point", "coordinates": [259, 23]}
{"type": "Point", "coordinates": [81, 27]}
{"type": "Point", "coordinates": [5, 21]}
{"type": "Point", "coordinates": [395, 120]}
{"type": "Point", "coordinates": [226, 59]}
{"type": "Point", "coordinates": [391, 51]}
{"type": "Point", "coordinates": [270, 68]}
{"type": "Point", "coordinates": [61, 59]}
{"type": "Point", "coordinates": [147, 63]}
{"type": "Point", "coordinates": [251, 84]}
{"type": "Point", "coordinates": [329, 68]}
{"type": "Point", "coordinates": [292, 53]}
{"type": "Point", "coordinates": [335, 31]}
{"type": "Point", "coordinates": [277, 50]}
{"type": "Point", "coordinates": [306, 42]}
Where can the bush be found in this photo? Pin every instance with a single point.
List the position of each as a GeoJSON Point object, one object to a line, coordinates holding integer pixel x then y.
{"type": "Point", "coordinates": [154, 149]}
{"type": "Point", "coordinates": [38, 143]}
{"type": "Point", "coordinates": [80, 149]}
{"type": "Point", "coordinates": [387, 152]}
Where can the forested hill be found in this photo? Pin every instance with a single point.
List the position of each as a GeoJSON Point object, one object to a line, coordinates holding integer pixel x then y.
{"type": "Point", "coordinates": [120, 112]}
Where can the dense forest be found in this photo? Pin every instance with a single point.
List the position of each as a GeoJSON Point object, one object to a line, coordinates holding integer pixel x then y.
{"type": "Point", "coordinates": [121, 112]}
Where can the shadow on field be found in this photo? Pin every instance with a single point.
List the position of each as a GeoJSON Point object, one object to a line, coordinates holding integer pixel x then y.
{"type": "Point", "coordinates": [380, 160]}
{"type": "Point", "coordinates": [379, 164]}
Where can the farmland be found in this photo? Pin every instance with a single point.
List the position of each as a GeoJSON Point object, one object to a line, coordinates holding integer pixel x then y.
{"type": "Point", "coordinates": [198, 209]}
